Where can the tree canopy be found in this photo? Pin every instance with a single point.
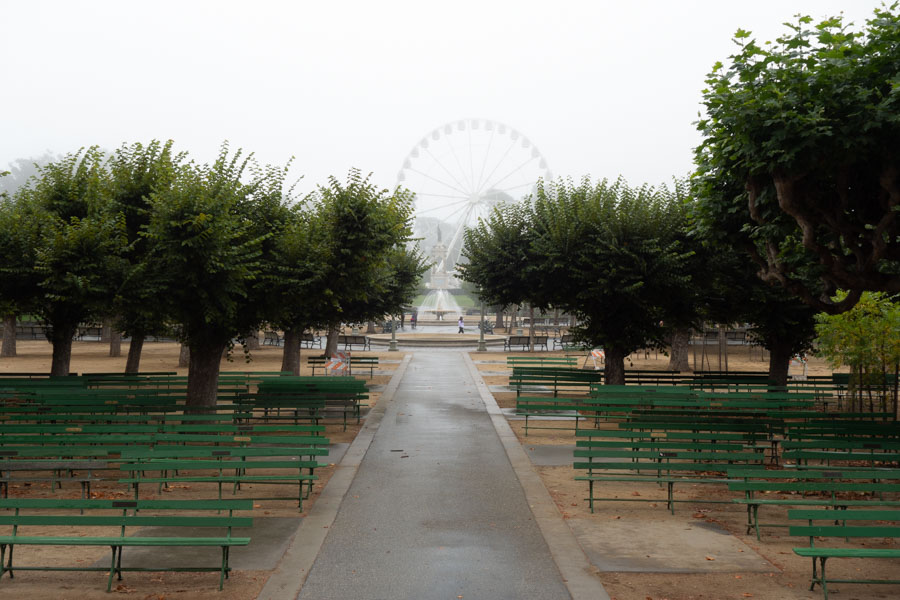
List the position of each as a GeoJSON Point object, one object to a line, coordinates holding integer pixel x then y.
{"type": "Point", "coordinates": [800, 144]}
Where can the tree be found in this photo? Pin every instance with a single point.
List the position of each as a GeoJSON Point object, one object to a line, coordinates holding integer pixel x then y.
{"type": "Point", "coordinates": [867, 338]}
{"type": "Point", "coordinates": [19, 236]}
{"type": "Point", "coordinates": [799, 139]}
{"type": "Point", "coordinates": [206, 245]}
{"type": "Point", "coordinates": [778, 320]}
{"type": "Point", "coordinates": [79, 247]}
{"type": "Point", "coordinates": [136, 171]}
{"type": "Point", "coordinates": [298, 274]}
{"type": "Point", "coordinates": [362, 226]}
{"type": "Point", "coordinates": [500, 258]}
{"type": "Point", "coordinates": [611, 255]}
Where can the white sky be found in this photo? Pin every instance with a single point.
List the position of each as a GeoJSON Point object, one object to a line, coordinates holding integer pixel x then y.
{"type": "Point", "coordinates": [601, 88]}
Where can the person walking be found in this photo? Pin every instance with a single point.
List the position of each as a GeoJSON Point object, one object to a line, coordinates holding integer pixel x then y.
{"type": "Point", "coordinates": [460, 323]}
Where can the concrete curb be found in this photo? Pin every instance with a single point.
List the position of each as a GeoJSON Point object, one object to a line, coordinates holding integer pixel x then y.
{"type": "Point", "coordinates": [570, 559]}
{"type": "Point", "coordinates": [287, 579]}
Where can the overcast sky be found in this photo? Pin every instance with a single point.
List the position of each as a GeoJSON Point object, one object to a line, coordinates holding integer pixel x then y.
{"type": "Point", "coordinates": [601, 88]}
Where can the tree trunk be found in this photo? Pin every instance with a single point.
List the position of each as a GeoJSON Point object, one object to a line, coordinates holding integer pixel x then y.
{"type": "Point", "coordinates": [615, 366]}
{"type": "Point", "coordinates": [371, 327]}
{"type": "Point", "coordinates": [290, 359]}
{"type": "Point", "coordinates": [203, 377]}
{"type": "Point", "coordinates": [251, 340]}
{"type": "Point", "coordinates": [61, 338]}
{"type": "Point", "coordinates": [531, 329]}
{"type": "Point", "coordinates": [331, 341]}
{"type": "Point", "coordinates": [133, 363]}
{"type": "Point", "coordinates": [115, 343]}
{"type": "Point", "coordinates": [8, 350]}
{"type": "Point", "coordinates": [499, 312]}
{"type": "Point", "coordinates": [184, 356]}
{"type": "Point", "coordinates": [106, 331]}
{"type": "Point", "coordinates": [779, 362]}
{"type": "Point", "coordinates": [678, 353]}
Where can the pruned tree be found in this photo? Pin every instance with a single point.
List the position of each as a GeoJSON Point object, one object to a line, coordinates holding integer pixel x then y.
{"type": "Point", "coordinates": [136, 171]}
{"type": "Point", "coordinates": [78, 257]}
{"type": "Point", "coordinates": [799, 139]}
{"type": "Point", "coordinates": [613, 256]}
{"type": "Point", "coordinates": [500, 257]}
{"type": "Point", "coordinates": [209, 251]}
{"type": "Point", "coordinates": [362, 225]}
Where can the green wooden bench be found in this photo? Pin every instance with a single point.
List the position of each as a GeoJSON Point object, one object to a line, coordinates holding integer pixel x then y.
{"type": "Point", "coordinates": [663, 462]}
{"type": "Point", "coordinates": [541, 361]}
{"type": "Point", "coordinates": [877, 531]}
{"type": "Point", "coordinates": [53, 470]}
{"type": "Point", "coordinates": [30, 514]}
{"type": "Point", "coordinates": [827, 488]}
{"type": "Point", "coordinates": [555, 379]}
{"type": "Point", "coordinates": [218, 470]}
{"type": "Point", "coordinates": [356, 362]}
{"type": "Point", "coordinates": [554, 408]}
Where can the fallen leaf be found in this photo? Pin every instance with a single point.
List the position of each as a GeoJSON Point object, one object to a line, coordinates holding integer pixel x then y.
{"type": "Point", "coordinates": [710, 558]}
{"type": "Point", "coordinates": [635, 493]}
{"type": "Point", "coordinates": [747, 595]}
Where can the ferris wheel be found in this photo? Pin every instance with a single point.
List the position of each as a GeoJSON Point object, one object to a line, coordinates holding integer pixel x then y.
{"type": "Point", "coordinates": [460, 171]}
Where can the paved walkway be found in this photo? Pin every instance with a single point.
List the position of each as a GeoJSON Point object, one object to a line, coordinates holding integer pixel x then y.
{"type": "Point", "coordinates": [435, 509]}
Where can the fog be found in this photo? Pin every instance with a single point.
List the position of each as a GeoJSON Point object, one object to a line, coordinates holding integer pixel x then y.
{"type": "Point", "coordinates": [600, 88]}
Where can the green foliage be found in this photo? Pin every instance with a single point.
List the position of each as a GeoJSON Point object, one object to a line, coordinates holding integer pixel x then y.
{"type": "Point", "coordinates": [867, 337]}
{"type": "Point", "coordinates": [615, 257]}
{"type": "Point", "coordinates": [799, 148]}
{"type": "Point", "coordinates": [78, 243]}
{"type": "Point", "coordinates": [206, 249]}
{"type": "Point", "coordinates": [365, 231]}
{"type": "Point", "coordinates": [137, 171]}
{"type": "Point", "coordinates": [500, 255]}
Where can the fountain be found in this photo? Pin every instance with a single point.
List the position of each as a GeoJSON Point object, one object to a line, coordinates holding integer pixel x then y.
{"type": "Point", "coordinates": [438, 304]}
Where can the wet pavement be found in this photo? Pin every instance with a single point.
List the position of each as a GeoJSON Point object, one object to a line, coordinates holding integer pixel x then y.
{"type": "Point", "coordinates": [435, 509]}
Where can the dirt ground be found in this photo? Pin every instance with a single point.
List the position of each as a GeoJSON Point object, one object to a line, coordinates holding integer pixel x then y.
{"type": "Point", "coordinates": [789, 580]}
{"type": "Point", "coordinates": [34, 356]}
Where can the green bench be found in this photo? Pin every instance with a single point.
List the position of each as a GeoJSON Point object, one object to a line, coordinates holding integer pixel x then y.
{"type": "Point", "coordinates": [663, 462]}
{"type": "Point", "coordinates": [877, 531]}
{"type": "Point", "coordinates": [541, 361]}
{"type": "Point", "coordinates": [557, 379]}
{"type": "Point", "coordinates": [31, 514]}
{"type": "Point", "coordinates": [216, 469]}
{"type": "Point", "coordinates": [57, 471]}
{"type": "Point", "coordinates": [554, 408]}
{"type": "Point", "coordinates": [829, 484]}
{"type": "Point", "coordinates": [356, 362]}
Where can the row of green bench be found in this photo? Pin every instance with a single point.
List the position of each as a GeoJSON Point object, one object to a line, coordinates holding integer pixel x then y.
{"type": "Point", "coordinates": [312, 398]}
{"type": "Point", "coordinates": [30, 518]}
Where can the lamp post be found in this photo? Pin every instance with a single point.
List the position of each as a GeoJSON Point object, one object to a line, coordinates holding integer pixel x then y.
{"type": "Point", "coordinates": [482, 347]}
{"type": "Point", "coordinates": [392, 347]}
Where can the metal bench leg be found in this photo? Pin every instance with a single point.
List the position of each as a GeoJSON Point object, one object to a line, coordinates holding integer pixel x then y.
{"type": "Point", "coordinates": [671, 497]}
{"type": "Point", "coordinates": [756, 520]}
{"type": "Point", "coordinates": [824, 581]}
{"type": "Point", "coordinates": [8, 567]}
{"type": "Point", "coordinates": [112, 569]}
{"type": "Point", "coordinates": [224, 567]}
